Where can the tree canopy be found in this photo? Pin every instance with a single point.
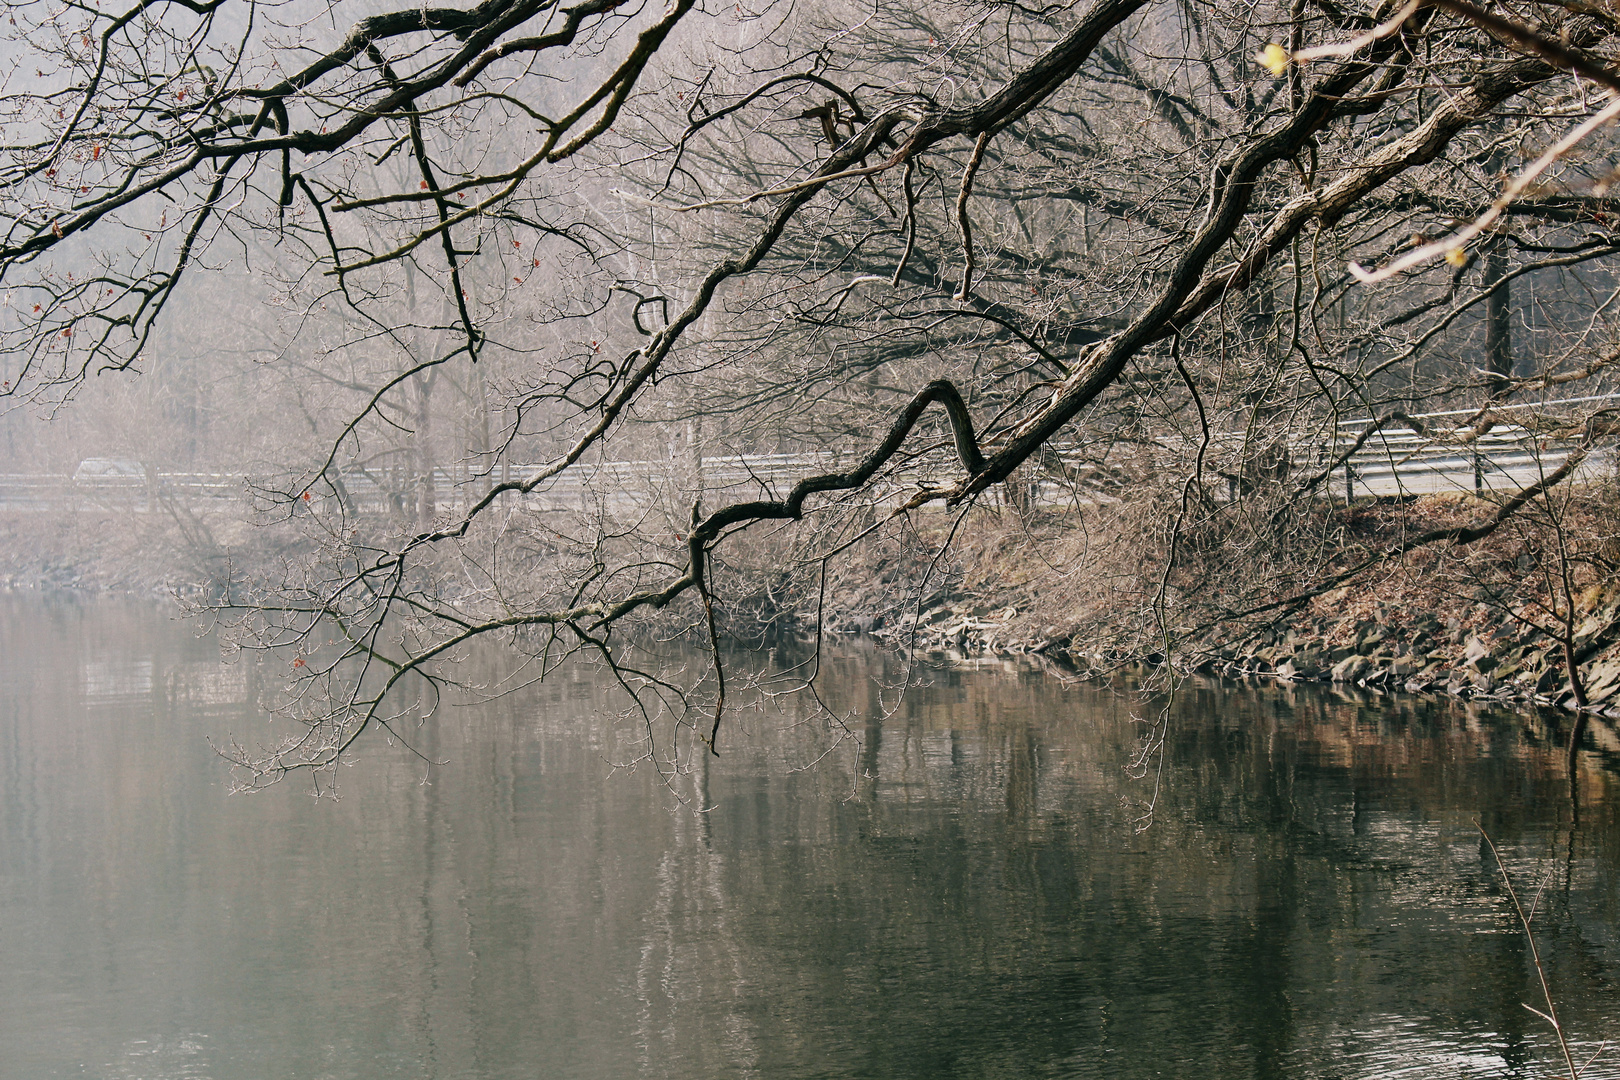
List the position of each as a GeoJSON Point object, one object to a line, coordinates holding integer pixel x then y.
{"type": "Point", "coordinates": [878, 260]}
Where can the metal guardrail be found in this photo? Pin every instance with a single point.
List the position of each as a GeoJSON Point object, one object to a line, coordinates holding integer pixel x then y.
{"type": "Point", "coordinates": [1400, 461]}
{"type": "Point", "coordinates": [1410, 464]}
{"type": "Point", "coordinates": [623, 484]}
{"type": "Point", "coordinates": [1394, 461]}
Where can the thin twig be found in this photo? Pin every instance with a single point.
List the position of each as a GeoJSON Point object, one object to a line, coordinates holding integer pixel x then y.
{"type": "Point", "coordinates": [1551, 1015]}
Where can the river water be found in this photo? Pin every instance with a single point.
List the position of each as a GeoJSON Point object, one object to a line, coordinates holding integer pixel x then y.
{"type": "Point", "coordinates": [959, 891]}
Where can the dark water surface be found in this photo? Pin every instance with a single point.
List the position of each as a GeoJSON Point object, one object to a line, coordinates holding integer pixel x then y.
{"type": "Point", "coordinates": [957, 893]}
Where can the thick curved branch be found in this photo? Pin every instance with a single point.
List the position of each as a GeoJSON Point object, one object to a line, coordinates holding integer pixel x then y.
{"type": "Point", "coordinates": [706, 532]}
{"type": "Point", "coordinates": [1193, 289]}
{"type": "Point", "coordinates": [935, 126]}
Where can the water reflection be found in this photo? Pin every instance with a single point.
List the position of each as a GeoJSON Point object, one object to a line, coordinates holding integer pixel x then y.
{"type": "Point", "coordinates": [957, 892]}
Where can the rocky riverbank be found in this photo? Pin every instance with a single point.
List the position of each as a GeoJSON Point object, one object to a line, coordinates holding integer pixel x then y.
{"type": "Point", "coordinates": [1486, 653]}
{"type": "Point", "coordinates": [1495, 632]}
{"type": "Point", "coordinates": [1482, 621]}
{"type": "Point", "coordinates": [1492, 655]}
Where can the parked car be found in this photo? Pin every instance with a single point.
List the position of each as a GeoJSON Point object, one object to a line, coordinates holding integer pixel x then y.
{"type": "Point", "coordinates": [116, 473]}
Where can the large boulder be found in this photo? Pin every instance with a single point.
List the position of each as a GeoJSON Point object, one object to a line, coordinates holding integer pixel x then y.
{"type": "Point", "coordinates": [1350, 669]}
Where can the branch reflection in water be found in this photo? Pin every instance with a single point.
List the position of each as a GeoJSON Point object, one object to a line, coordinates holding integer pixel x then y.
{"type": "Point", "coordinates": [958, 892]}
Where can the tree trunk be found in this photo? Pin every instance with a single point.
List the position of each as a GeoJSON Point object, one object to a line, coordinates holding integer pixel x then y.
{"type": "Point", "coordinates": [427, 506]}
{"type": "Point", "coordinates": [1498, 319]}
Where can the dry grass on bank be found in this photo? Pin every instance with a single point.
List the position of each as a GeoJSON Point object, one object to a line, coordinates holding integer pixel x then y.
{"type": "Point", "coordinates": [1092, 576]}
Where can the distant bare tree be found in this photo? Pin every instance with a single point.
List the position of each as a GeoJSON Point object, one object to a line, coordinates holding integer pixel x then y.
{"type": "Point", "coordinates": [623, 233]}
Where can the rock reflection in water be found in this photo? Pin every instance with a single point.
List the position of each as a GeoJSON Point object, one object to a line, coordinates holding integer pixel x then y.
{"type": "Point", "coordinates": [955, 891]}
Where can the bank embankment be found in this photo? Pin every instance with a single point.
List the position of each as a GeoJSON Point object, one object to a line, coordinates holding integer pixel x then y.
{"type": "Point", "coordinates": [112, 549]}
{"type": "Point", "coordinates": [1498, 618]}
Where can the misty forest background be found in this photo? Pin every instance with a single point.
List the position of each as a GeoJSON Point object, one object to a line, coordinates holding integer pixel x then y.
{"type": "Point", "coordinates": [545, 322]}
